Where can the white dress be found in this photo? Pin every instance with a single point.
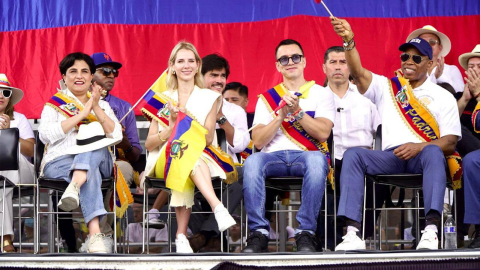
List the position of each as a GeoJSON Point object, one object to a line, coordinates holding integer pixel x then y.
{"type": "Point", "coordinates": [199, 104]}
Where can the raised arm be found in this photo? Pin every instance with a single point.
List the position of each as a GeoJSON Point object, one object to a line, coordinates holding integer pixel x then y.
{"type": "Point", "coordinates": [363, 77]}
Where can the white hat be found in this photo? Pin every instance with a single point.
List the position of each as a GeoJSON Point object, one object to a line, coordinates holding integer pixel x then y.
{"type": "Point", "coordinates": [463, 59]}
{"type": "Point", "coordinates": [444, 40]}
{"type": "Point", "coordinates": [91, 137]}
{"type": "Point", "coordinates": [17, 94]}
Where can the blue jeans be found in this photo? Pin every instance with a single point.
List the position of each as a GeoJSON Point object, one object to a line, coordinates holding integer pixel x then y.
{"type": "Point", "coordinates": [311, 165]}
{"type": "Point", "coordinates": [471, 166]}
{"type": "Point", "coordinates": [358, 161]}
{"type": "Point", "coordinates": [98, 165]}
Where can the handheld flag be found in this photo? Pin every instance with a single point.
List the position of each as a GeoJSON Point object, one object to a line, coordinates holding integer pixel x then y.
{"type": "Point", "coordinates": [323, 3]}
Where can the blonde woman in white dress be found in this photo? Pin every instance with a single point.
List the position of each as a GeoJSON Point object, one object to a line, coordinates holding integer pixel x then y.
{"type": "Point", "coordinates": [185, 85]}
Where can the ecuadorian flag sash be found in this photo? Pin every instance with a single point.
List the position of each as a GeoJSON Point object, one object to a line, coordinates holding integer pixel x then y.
{"type": "Point", "coordinates": [474, 117]}
{"type": "Point", "coordinates": [292, 128]}
{"type": "Point", "coordinates": [69, 107]}
{"type": "Point", "coordinates": [421, 121]}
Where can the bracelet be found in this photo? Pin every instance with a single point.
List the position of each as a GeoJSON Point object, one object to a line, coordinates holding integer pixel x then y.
{"type": "Point", "coordinates": [295, 113]}
{"type": "Point", "coordinates": [476, 96]}
{"type": "Point", "coordinates": [349, 49]}
{"type": "Point", "coordinates": [348, 42]}
{"type": "Point", "coordinates": [129, 149]}
{"type": "Point", "coordinates": [160, 138]}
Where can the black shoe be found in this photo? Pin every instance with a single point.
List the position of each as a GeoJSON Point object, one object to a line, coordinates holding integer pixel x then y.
{"type": "Point", "coordinates": [155, 223]}
{"type": "Point", "coordinates": [256, 243]}
{"type": "Point", "coordinates": [306, 242]}
{"type": "Point", "coordinates": [476, 240]}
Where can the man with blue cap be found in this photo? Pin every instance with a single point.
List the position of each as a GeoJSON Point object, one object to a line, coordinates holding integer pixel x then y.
{"type": "Point", "coordinates": [421, 126]}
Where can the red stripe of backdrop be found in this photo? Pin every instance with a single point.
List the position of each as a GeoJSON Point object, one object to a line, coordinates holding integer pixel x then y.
{"type": "Point", "coordinates": [30, 58]}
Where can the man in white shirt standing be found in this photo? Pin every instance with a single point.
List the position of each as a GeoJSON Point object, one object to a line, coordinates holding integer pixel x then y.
{"type": "Point", "coordinates": [233, 120]}
{"type": "Point", "coordinates": [356, 117]}
{"type": "Point", "coordinates": [439, 72]}
{"type": "Point", "coordinates": [290, 141]}
{"type": "Point", "coordinates": [420, 124]}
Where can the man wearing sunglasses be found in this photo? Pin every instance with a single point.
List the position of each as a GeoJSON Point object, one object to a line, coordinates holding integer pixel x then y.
{"type": "Point", "coordinates": [439, 72]}
{"type": "Point", "coordinates": [420, 124]}
{"type": "Point", "coordinates": [293, 144]}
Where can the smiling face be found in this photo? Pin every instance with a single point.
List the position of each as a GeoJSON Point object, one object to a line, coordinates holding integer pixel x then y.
{"type": "Point", "coordinates": [416, 72]}
{"type": "Point", "coordinates": [291, 71]}
{"type": "Point", "coordinates": [215, 80]}
{"type": "Point", "coordinates": [78, 78]}
{"type": "Point", "coordinates": [336, 69]}
{"type": "Point", "coordinates": [185, 65]}
{"type": "Point", "coordinates": [436, 48]}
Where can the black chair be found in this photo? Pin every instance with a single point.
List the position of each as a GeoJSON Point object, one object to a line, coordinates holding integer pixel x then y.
{"type": "Point", "coordinates": [59, 185]}
{"type": "Point", "coordinates": [409, 181]}
{"type": "Point", "coordinates": [291, 183]}
{"type": "Point", "coordinates": [160, 183]}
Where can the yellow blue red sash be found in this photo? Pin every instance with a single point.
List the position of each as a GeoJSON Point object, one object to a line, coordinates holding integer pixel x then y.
{"type": "Point", "coordinates": [292, 128]}
{"type": "Point", "coordinates": [69, 107]}
{"type": "Point", "coordinates": [248, 151]}
{"type": "Point", "coordinates": [153, 106]}
{"type": "Point", "coordinates": [421, 121]}
{"type": "Point", "coordinates": [122, 197]}
{"type": "Point", "coordinates": [474, 117]}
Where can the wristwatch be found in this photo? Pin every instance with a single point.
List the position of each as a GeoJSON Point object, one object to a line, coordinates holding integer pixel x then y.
{"type": "Point", "coordinates": [299, 115]}
{"type": "Point", "coordinates": [222, 120]}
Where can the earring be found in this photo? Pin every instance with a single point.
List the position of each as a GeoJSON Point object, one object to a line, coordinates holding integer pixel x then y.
{"type": "Point", "coordinates": [174, 72]}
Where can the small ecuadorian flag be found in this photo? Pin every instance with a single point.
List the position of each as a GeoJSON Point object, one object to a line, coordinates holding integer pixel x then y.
{"type": "Point", "coordinates": [183, 149]}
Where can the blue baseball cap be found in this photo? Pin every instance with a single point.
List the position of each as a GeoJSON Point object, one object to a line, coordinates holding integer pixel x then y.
{"type": "Point", "coordinates": [420, 44]}
{"type": "Point", "coordinates": [102, 58]}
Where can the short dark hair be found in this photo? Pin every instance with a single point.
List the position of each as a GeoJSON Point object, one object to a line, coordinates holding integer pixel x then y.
{"type": "Point", "coordinates": [215, 61]}
{"type": "Point", "coordinates": [70, 59]}
{"type": "Point", "coordinates": [288, 42]}
{"type": "Point", "coordinates": [337, 49]}
{"type": "Point", "coordinates": [236, 86]}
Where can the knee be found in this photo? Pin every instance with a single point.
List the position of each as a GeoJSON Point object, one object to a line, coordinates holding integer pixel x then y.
{"type": "Point", "coordinates": [315, 160]}
{"type": "Point", "coordinates": [353, 154]}
{"type": "Point", "coordinates": [432, 149]}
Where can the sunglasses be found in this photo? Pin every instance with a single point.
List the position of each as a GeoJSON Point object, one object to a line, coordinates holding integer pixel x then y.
{"type": "Point", "coordinates": [107, 71]}
{"type": "Point", "coordinates": [296, 58]}
{"type": "Point", "coordinates": [6, 93]}
{"type": "Point", "coordinates": [432, 42]}
{"type": "Point", "coordinates": [416, 58]}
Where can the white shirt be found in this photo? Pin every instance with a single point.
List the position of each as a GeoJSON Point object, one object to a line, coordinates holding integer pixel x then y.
{"type": "Point", "coordinates": [237, 117]}
{"type": "Point", "coordinates": [51, 131]}
{"type": "Point", "coordinates": [24, 128]}
{"type": "Point", "coordinates": [356, 120]}
{"type": "Point", "coordinates": [395, 131]}
{"type": "Point", "coordinates": [451, 74]}
{"type": "Point", "coordinates": [320, 100]}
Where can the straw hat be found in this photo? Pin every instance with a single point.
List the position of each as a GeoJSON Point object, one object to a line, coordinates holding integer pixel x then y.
{"type": "Point", "coordinates": [463, 59]}
{"type": "Point", "coordinates": [91, 137]}
{"type": "Point", "coordinates": [17, 94]}
{"type": "Point", "coordinates": [444, 40]}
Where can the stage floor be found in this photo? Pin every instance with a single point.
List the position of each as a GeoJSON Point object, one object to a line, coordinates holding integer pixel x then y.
{"type": "Point", "coordinates": [210, 260]}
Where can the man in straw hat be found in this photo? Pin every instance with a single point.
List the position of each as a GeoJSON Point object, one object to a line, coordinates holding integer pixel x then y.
{"type": "Point", "coordinates": [471, 63]}
{"type": "Point", "coordinates": [409, 145]}
{"type": "Point", "coordinates": [439, 72]}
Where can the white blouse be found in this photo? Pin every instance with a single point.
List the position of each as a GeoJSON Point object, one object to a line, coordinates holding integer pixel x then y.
{"type": "Point", "coordinates": [51, 131]}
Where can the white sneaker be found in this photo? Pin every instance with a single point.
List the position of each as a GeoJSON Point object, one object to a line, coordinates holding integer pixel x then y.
{"type": "Point", "coordinates": [429, 240]}
{"type": "Point", "coordinates": [95, 244]}
{"type": "Point", "coordinates": [223, 218]}
{"type": "Point", "coordinates": [70, 199]}
{"type": "Point", "coordinates": [107, 242]}
{"type": "Point", "coordinates": [351, 242]}
{"type": "Point", "coordinates": [182, 244]}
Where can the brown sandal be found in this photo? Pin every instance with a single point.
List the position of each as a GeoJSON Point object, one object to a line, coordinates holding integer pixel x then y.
{"type": "Point", "coordinates": [8, 247]}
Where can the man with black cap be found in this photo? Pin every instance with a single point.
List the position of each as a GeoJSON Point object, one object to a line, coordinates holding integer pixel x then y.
{"type": "Point", "coordinates": [420, 125]}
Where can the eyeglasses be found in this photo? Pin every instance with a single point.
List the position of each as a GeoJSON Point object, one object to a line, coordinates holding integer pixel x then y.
{"type": "Point", "coordinates": [416, 58]}
{"type": "Point", "coordinates": [296, 58]}
{"type": "Point", "coordinates": [107, 71]}
{"type": "Point", "coordinates": [432, 42]}
{"type": "Point", "coordinates": [6, 93]}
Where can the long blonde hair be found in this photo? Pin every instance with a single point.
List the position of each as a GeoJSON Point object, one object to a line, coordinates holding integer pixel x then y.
{"type": "Point", "coordinates": [172, 82]}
